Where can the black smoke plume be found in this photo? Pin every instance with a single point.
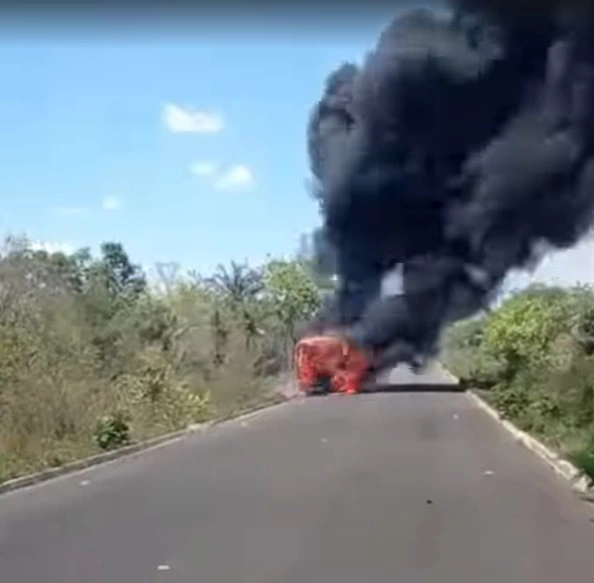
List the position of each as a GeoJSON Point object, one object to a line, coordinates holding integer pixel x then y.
{"type": "Point", "coordinates": [461, 148]}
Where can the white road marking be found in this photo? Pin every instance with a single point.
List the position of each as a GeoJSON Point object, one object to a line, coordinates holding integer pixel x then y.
{"type": "Point", "coordinates": [85, 483]}
{"type": "Point", "coordinates": [163, 568]}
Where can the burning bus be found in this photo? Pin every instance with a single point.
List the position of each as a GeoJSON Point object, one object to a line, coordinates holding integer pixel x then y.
{"type": "Point", "coordinates": [330, 364]}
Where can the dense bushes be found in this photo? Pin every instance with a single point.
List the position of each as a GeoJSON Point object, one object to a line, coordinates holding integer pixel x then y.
{"type": "Point", "coordinates": [92, 358]}
{"type": "Point", "coordinates": [534, 359]}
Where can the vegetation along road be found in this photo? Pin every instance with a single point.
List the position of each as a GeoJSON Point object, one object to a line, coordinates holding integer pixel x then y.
{"type": "Point", "coordinates": [417, 486]}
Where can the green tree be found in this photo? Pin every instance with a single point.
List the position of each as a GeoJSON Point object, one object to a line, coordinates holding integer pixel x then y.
{"type": "Point", "coordinates": [238, 283]}
{"type": "Point", "coordinates": [116, 274]}
{"type": "Point", "coordinates": [313, 263]}
{"type": "Point", "coordinates": [521, 330]}
{"type": "Point", "coordinates": [238, 287]}
{"type": "Point", "coordinates": [293, 294]}
{"type": "Point", "coordinates": [56, 272]}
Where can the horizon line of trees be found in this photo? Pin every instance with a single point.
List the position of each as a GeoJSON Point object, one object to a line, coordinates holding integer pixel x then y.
{"type": "Point", "coordinates": [92, 356]}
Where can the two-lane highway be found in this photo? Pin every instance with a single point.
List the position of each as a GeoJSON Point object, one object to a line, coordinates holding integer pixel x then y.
{"type": "Point", "coordinates": [403, 487]}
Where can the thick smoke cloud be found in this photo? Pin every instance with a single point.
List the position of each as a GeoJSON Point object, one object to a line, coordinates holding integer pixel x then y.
{"type": "Point", "coordinates": [459, 150]}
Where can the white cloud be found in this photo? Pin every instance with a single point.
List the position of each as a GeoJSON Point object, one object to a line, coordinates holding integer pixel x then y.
{"type": "Point", "coordinates": [236, 177]}
{"type": "Point", "coordinates": [204, 168]}
{"type": "Point", "coordinates": [69, 211]}
{"type": "Point", "coordinates": [111, 203]}
{"type": "Point", "coordinates": [179, 120]}
{"type": "Point", "coordinates": [52, 247]}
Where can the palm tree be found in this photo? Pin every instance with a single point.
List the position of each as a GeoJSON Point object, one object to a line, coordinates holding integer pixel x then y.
{"type": "Point", "coordinates": [239, 283]}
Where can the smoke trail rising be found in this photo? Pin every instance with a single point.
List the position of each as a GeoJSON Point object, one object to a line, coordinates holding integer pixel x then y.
{"type": "Point", "coordinates": [460, 149]}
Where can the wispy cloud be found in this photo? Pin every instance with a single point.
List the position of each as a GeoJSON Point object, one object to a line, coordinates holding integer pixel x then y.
{"type": "Point", "coordinates": [69, 211]}
{"type": "Point", "coordinates": [180, 120]}
{"type": "Point", "coordinates": [52, 247]}
{"type": "Point", "coordinates": [236, 177]}
{"type": "Point", "coordinates": [204, 168]}
{"type": "Point", "coordinates": [111, 203]}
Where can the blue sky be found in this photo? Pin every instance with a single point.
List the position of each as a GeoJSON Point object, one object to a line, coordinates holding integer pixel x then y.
{"type": "Point", "coordinates": [186, 150]}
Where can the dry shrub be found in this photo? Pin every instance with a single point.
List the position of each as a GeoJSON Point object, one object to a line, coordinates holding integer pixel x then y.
{"type": "Point", "coordinates": [85, 368]}
{"type": "Point", "coordinates": [49, 393]}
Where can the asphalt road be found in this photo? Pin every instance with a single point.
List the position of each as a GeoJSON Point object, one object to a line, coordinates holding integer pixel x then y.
{"type": "Point", "coordinates": [432, 375]}
{"type": "Point", "coordinates": [384, 488]}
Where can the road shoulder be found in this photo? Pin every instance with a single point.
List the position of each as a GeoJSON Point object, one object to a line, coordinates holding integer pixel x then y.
{"type": "Point", "coordinates": [129, 451]}
{"type": "Point", "coordinates": [562, 467]}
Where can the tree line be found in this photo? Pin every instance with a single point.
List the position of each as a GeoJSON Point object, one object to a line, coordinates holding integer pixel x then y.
{"type": "Point", "coordinates": [92, 356]}
{"type": "Point", "coordinates": [533, 359]}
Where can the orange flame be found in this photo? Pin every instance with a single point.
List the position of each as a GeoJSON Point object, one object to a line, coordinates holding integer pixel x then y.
{"type": "Point", "coordinates": [330, 357]}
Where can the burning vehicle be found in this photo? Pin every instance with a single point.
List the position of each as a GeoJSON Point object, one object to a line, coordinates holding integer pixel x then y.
{"type": "Point", "coordinates": [456, 151]}
{"type": "Point", "coordinates": [329, 363]}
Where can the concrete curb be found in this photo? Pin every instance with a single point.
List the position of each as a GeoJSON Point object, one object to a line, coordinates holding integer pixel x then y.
{"type": "Point", "coordinates": [577, 479]}
{"type": "Point", "coordinates": [127, 451]}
